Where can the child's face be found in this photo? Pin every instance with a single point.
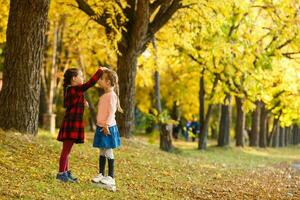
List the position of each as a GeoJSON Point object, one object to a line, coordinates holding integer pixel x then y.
{"type": "Point", "coordinates": [104, 82]}
{"type": "Point", "coordinates": [78, 80]}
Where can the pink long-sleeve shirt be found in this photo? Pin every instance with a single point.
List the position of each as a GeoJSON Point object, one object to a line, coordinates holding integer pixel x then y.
{"type": "Point", "coordinates": [107, 107]}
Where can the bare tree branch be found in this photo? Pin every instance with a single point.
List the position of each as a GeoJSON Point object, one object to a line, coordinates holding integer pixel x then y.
{"type": "Point", "coordinates": [163, 18]}
{"type": "Point", "coordinates": [155, 5]}
{"type": "Point", "coordinates": [86, 8]}
{"type": "Point", "coordinates": [159, 21]}
{"type": "Point", "coordinates": [286, 43]}
{"type": "Point", "coordinates": [289, 54]}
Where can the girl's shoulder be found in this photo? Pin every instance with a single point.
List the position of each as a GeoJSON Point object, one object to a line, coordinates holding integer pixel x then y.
{"type": "Point", "coordinates": [71, 90]}
{"type": "Point", "coordinates": [109, 95]}
{"type": "Point", "coordinates": [113, 95]}
{"type": "Point", "coordinates": [75, 88]}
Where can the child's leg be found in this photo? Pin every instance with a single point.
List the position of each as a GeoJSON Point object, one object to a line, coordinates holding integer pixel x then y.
{"type": "Point", "coordinates": [110, 158]}
{"type": "Point", "coordinates": [102, 161]}
{"type": "Point", "coordinates": [108, 153]}
{"type": "Point", "coordinates": [63, 162]}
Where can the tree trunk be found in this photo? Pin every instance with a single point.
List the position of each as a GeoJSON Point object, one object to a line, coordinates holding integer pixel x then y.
{"type": "Point", "coordinates": [19, 99]}
{"type": "Point", "coordinates": [224, 130]}
{"type": "Point", "coordinates": [255, 126]}
{"type": "Point", "coordinates": [282, 137]}
{"type": "Point", "coordinates": [291, 135]}
{"type": "Point", "coordinates": [271, 136]}
{"type": "Point", "coordinates": [263, 127]}
{"type": "Point", "coordinates": [165, 138]}
{"type": "Point", "coordinates": [275, 134]}
{"type": "Point", "coordinates": [157, 92]}
{"type": "Point", "coordinates": [202, 143]}
{"type": "Point", "coordinates": [203, 126]}
{"type": "Point", "coordinates": [202, 100]}
{"type": "Point", "coordinates": [127, 62]}
{"type": "Point", "coordinates": [287, 135]}
{"type": "Point", "coordinates": [295, 135]}
{"type": "Point", "coordinates": [165, 133]}
{"type": "Point", "coordinates": [240, 123]}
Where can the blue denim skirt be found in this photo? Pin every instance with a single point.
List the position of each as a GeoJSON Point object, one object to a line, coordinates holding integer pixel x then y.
{"type": "Point", "coordinates": [107, 141]}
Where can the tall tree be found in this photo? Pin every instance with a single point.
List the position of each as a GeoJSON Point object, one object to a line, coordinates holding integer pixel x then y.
{"type": "Point", "coordinates": [263, 126]}
{"type": "Point", "coordinates": [254, 133]}
{"type": "Point", "coordinates": [19, 98]}
{"type": "Point", "coordinates": [225, 122]}
{"type": "Point", "coordinates": [134, 23]}
{"type": "Point", "coordinates": [240, 122]}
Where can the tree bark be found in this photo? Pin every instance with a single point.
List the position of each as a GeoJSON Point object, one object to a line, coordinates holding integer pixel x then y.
{"type": "Point", "coordinates": [130, 48]}
{"type": "Point", "coordinates": [263, 127]}
{"type": "Point", "coordinates": [255, 126]}
{"type": "Point", "coordinates": [165, 138]}
{"type": "Point", "coordinates": [240, 123]}
{"type": "Point", "coordinates": [287, 135]}
{"type": "Point", "coordinates": [126, 71]}
{"type": "Point", "coordinates": [271, 136]}
{"type": "Point", "coordinates": [295, 135]}
{"type": "Point", "coordinates": [275, 134]}
{"type": "Point", "coordinates": [202, 100]}
{"type": "Point", "coordinates": [224, 130]}
{"type": "Point", "coordinates": [282, 132]}
{"type": "Point", "coordinates": [202, 143]}
{"type": "Point", "coordinates": [165, 133]}
{"type": "Point", "coordinates": [19, 99]}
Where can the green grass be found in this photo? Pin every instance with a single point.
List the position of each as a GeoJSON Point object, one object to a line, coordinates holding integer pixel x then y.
{"type": "Point", "coordinates": [28, 167]}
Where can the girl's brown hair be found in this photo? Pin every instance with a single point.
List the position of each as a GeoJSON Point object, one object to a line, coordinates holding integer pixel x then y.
{"type": "Point", "coordinates": [68, 75]}
{"type": "Point", "coordinates": [112, 76]}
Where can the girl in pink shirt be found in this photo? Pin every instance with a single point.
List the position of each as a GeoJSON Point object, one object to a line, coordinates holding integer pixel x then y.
{"type": "Point", "coordinates": [107, 134]}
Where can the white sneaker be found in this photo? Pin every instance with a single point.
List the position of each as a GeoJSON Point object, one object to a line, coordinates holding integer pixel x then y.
{"type": "Point", "coordinates": [107, 180]}
{"type": "Point", "coordinates": [98, 178]}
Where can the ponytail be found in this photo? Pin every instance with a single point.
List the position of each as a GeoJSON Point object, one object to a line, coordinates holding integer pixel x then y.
{"type": "Point", "coordinates": [117, 91]}
{"type": "Point", "coordinates": [113, 78]}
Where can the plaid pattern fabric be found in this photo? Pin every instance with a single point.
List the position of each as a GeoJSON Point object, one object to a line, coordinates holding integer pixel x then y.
{"type": "Point", "coordinates": [72, 127]}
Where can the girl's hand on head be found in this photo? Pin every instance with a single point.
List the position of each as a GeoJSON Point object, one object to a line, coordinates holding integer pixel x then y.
{"type": "Point", "coordinates": [103, 68]}
{"type": "Point", "coordinates": [106, 130]}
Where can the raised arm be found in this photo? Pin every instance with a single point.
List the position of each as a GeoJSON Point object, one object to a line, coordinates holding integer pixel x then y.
{"type": "Point", "coordinates": [93, 80]}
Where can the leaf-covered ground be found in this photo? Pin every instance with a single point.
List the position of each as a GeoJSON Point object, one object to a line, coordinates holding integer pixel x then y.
{"type": "Point", "coordinates": [28, 167]}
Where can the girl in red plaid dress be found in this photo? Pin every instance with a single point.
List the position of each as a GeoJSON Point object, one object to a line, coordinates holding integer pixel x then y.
{"type": "Point", "coordinates": [72, 128]}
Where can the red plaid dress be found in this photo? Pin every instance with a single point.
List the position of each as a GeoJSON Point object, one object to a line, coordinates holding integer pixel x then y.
{"type": "Point", "coordinates": [72, 127]}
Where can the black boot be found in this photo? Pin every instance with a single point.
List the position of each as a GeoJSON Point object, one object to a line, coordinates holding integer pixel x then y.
{"type": "Point", "coordinates": [102, 162]}
{"type": "Point", "coordinates": [111, 167]}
